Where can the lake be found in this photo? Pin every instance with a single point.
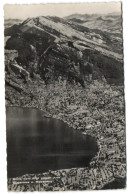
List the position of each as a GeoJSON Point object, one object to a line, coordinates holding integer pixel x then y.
{"type": "Point", "coordinates": [36, 144]}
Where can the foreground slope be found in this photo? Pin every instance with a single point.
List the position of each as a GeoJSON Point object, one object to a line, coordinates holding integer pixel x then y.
{"type": "Point", "coordinates": [75, 74]}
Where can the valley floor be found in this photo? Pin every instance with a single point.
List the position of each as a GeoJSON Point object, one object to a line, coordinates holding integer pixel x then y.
{"type": "Point", "coordinates": [97, 110]}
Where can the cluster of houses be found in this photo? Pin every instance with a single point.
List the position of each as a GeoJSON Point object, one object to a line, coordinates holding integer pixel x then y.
{"type": "Point", "coordinates": [110, 163]}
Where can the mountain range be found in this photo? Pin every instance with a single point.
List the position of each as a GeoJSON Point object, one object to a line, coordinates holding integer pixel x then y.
{"type": "Point", "coordinates": [72, 69]}
{"type": "Point", "coordinates": [67, 37]}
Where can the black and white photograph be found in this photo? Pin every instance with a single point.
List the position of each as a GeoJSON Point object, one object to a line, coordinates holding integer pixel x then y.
{"type": "Point", "coordinates": [64, 96]}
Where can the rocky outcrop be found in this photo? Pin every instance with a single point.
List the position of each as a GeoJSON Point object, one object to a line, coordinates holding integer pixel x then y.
{"type": "Point", "coordinates": [50, 46]}
{"type": "Point", "coordinates": [60, 57]}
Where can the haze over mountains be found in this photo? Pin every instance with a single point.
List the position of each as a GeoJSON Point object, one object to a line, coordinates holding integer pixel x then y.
{"type": "Point", "coordinates": [57, 42]}
{"type": "Point", "coordinates": [10, 22]}
{"type": "Point", "coordinates": [72, 69]}
{"type": "Point", "coordinates": [54, 49]}
{"type": "Point", "coordinates": [109, 23]}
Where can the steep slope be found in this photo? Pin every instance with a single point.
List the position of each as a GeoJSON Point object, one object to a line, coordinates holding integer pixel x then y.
{"type": "Point", "coordinates": [75, 74]}
{"type": "Point", "coordinates": [109, 26]}
{"type": "Point", "coordinates": [60, 45]}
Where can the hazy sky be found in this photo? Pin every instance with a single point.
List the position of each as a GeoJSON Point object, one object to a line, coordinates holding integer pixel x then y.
{"type": "Point", "coordinates": [61, 10]}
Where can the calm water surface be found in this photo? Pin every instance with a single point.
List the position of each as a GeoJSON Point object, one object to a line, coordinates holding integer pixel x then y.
{"type": "Point", "coordinates": [37, 144]}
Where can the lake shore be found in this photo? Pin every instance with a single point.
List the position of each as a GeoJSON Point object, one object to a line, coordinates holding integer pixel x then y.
{"type": "Point", "coordinates": [109, 163]}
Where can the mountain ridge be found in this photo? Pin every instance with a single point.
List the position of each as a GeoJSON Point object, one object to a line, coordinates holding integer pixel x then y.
{"type": "Point", "coordinates": [51, 35]}
{"type": "Point", "coordinates": [75, 74]}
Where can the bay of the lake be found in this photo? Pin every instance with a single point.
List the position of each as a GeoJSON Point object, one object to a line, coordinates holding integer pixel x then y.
{"type": "Point", "coordinates": [36, 144]}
